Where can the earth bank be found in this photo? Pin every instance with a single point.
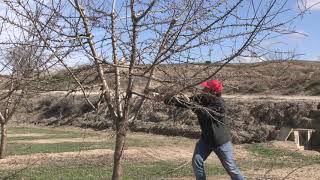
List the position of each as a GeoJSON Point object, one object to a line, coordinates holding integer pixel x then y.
{"type": "Point", "coordinates": [250, 119]}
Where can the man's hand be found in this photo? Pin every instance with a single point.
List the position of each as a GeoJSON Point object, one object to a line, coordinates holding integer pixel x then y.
{"type": "Point", "coordinates": [158, 97]}
{"type": "Point", "coordinates": [154, 95]}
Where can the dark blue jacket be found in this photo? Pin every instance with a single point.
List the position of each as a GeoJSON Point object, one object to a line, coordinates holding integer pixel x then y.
{"type": "Point", "coordinates": [210, 111]}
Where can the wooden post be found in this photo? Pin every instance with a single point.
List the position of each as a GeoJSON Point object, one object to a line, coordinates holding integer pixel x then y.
{"type": "Point", "coordinates": [303, 143]}
{"type": "Point", "coordinates": [296, 138]}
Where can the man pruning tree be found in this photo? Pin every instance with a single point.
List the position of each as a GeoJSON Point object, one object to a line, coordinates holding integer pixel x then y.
{"type": "Point", "coordinates": [210, 109]}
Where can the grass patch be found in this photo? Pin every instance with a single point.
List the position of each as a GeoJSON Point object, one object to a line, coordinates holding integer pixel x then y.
{"type": "Point", "coordinates": [63, 172]}
{"type": "Point", "coordinates": [51, 136]}
{"type": "Point", "coordinates": [267, 157]}
{"type": "Point", "coordinates": [48, 133]}
{"type": "Point", "coordinates": [42, 130]}
{"type": "Point", "coordinates": [132, 171]}
{"type": "Point", "coordinates": [263, 151]}
{"type": "Point", "coordinates": [23, 149]}
{"type": "Point", "coordinates": [133, 140]}
{"type": "Point", "coordinates": [158, 141]}
{"type": "Point", "coordinates": [257, 164]}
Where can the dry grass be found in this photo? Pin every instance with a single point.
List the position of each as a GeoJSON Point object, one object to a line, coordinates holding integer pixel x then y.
{"type": "Point", "coordinates": [271, 77]}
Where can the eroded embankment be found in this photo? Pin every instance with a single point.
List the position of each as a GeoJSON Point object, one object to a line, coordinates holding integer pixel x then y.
{"type": "Point", "coordinates": [251, 118]}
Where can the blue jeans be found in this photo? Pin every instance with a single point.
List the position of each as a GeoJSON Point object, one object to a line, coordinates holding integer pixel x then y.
{"type": "Point", "coordinates": [224, 153]}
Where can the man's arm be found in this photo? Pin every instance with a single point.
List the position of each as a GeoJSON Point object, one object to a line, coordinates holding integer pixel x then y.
{"type": "Point", "coordinates": [174, 101]}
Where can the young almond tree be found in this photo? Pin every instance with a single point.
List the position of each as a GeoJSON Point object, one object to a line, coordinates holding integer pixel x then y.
{"type": "Point", "coordinates": [19, 68]}
{"type": "Point", "coordinates": [138, 45]}
{"type": "Point", "coordinates": [22, 60]}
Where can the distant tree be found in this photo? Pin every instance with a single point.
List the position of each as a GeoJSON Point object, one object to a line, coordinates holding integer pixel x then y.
{"type": "Point", "coordinates": [152, 37]}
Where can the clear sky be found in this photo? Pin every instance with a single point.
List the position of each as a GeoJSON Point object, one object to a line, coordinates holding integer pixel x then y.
{"type": "Point", "coordinates": [309, 44]}
{"type": "Point", "coordinates": [306, 43]}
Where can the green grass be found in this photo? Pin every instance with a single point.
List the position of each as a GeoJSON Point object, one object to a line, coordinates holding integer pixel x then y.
{"type": "Point", "coordinates": [262, 156]}
{"type": "Point", "coordinates": [272, 157]}
{"type": "Point", "coordinates": [132, 171]}
{"type": "Point", "coordinates": [263, 151]}
{"type": "Point", "coordinates": [50, 136]}
{"type": "Point", "coordinates": [52, 133]}
{"type": "Point", "coordinates": [23, 149]}
{"type": "Point", "coordinates": [46, 130]}
{"type": "Point", "coordinates": [133, 140]}
{"type": "Point", "coordinates": [75, 170]}
{"type": "Point", "coordinates": [157, 141]}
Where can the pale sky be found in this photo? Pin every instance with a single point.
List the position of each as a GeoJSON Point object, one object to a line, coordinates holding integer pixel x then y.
{"type": "Point", "coordinates": [308, 42]}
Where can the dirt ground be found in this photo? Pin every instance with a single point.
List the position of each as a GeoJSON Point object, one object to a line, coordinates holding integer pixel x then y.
{"type": "Point", "coordinates": [150, 154]}
{"type": "Point", "coordinates": [59, 140]}
{"type": "Point", "coordinates": [226, 96]}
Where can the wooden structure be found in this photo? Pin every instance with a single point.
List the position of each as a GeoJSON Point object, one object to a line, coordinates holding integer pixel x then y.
{"type": "Point", "coordinates": [300, 136]}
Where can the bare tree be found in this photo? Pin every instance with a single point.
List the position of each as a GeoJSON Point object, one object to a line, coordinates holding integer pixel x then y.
{"type": "Point", "coordinates": [21, 62]}
{"type": "Point", "coordinates": [19, 70]}
{"type": "Point", "coordinates": [138, 45]}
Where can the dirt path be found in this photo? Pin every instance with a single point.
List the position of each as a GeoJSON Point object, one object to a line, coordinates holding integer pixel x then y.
{"type": "Point", "coordinates": [27, 135]}
{"type": "Point", "coordinates": [96, 156]}
{"type": "Point", "coordinates": [240, 96]}
{"type": "Point", "coordinates": [272, 97]}
{"type": "Point", "coordinates": [60, 140]}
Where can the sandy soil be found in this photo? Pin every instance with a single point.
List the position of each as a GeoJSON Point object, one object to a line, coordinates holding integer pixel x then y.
{"type": "Point", "coordinates": [96, 156]}
{"type": "Point", "coordinates": [27, 135]}
{"type": "Point", "coordinates": [59, 140]}
{"type": "Point", "coordinates": [272, 97]}
{"type": "Point", "coordinates": [240, 96]}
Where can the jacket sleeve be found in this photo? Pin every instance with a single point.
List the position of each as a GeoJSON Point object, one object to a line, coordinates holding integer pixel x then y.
{"type": "Point", "coordinates": [217, 110]}
{"type": "Point", "coordinates": [172, 100]}
{"type": "Point", "coordinates": [210, 110]}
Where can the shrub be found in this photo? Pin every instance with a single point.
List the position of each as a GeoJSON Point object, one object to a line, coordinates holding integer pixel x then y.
{"type": "Point", "coordinates": [69, 106]}
{"type": "Point", "coordinates": [314, 87]}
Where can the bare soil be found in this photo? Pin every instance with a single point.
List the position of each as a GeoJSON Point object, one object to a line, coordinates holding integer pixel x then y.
{"type": "Point", "coordinates": [96, 156]}
{"type": "Point", "coordinates": [59, 140]}
{"type": "Point", "coordinates": [27, 135]}
{"type": "Point", "coordinates": [273, 97]}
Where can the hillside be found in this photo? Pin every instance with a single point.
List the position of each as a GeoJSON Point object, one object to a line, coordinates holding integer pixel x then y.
{"type": "Point", "coordinates": [267, 78]}
{"type": "Point", "coordinates": [256, 96]}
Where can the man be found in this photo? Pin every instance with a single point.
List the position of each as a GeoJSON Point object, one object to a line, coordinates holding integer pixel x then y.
{"type": "Point", "coordinates": [210, 109]}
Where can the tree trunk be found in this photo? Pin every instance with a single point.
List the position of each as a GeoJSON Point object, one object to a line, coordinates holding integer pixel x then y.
{"type": "Point", "coordinates": [118, 152]}
{"type": "Point", "coordinates": [3, 145]}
